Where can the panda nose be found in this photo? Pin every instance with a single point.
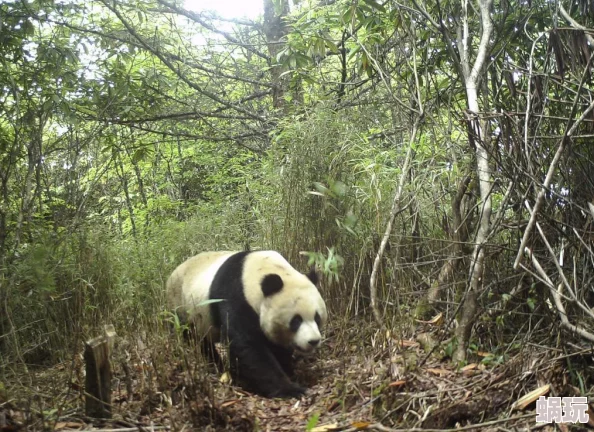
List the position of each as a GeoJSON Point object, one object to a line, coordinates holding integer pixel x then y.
{"type": "Point", "coordinates": [314, 342]}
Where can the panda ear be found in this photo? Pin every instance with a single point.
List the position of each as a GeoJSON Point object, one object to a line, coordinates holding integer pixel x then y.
{"type": "Point", "coordinates": [313, 276]}
{"type": "Point", "coordinates": [271, 284]}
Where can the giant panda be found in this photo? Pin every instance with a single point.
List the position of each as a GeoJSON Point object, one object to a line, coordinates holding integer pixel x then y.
{"type": "Point", "coordinates": [267, 311]}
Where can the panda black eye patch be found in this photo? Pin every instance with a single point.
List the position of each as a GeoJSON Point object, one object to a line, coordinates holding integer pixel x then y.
{"type": "Point", "coordinates": [318, 319]}
{"type": "Point", "coordinates": [295, 323]}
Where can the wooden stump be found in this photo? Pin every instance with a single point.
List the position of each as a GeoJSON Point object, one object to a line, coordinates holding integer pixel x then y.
{"type": "Point", "coordinates": [98, 374]}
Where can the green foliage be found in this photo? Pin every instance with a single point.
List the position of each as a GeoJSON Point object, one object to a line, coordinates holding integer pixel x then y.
{"type": "Point", "coordinates": [493, 360]}
{"type": "Point", "coordinates": [312, 421]}
{"type": "Point", "coordinates": [324, 191]}
{"type": "Point", "coordinates": [130, 140]}
{"type": "Point", "coordinates": [331, 265]}
{"type": "Point", "coordinates": [62, 290]}
{"type": "Point", "coordinates": [173, 319]}
{"type": "Point", "coordinates": [450, 347]}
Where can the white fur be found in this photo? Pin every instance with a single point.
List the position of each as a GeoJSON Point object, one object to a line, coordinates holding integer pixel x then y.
{"type": "Point", "coordinates": [308, 331]}
{"type": "Point", "coordinates": [190, 284]}
{"type": "Point", "coordinates": [298, 296]}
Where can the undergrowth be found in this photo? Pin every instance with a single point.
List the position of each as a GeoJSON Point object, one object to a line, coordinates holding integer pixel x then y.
{"type": "Point", "coordinates": [320, 195]}
{"type": "Point", "coordinates": [59, 292]}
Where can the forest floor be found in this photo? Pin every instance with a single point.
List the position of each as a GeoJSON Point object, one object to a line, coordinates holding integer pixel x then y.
{"type": "Point", "coordinates": [356, 383]}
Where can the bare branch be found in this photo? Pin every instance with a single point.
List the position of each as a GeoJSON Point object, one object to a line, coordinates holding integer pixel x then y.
{"type": "Point", "coordinates": [557, 299]}
{"type": "Point", "coordinates": [173, 57]}
{"type": "Point", "coordinates": [198, 19]}
{"type": "Point", "coordinates": [395, 210]}
{"type": "Point", "coordinates": [176, 70]}
{"type": "Point", "coordinates": [547, 183]}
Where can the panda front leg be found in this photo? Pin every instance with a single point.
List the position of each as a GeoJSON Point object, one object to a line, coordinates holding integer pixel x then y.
{"type": "Point", "coordinates": [285, 358]}
{"type": "Point", "coordinates": [254, 362]}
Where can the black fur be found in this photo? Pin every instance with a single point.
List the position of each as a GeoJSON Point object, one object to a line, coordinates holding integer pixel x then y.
{"type": "Point", "coordinates": [313, 276]}
{"type": "Point", "coordinates": [271, 284]}
{"type": "Point", "coordinates": [264, 367]}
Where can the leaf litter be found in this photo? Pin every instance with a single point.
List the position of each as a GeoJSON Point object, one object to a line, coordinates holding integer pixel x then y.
{"type": "Point", "coordinates": [354, 384]}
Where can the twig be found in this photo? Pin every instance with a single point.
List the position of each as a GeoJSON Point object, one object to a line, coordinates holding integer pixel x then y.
{"type": "Point", "coordinates": [386, 236]}
{"type": "Point", "coordinates": [575, 24]}
{"type": "Point", "coordinates": [130, 429]}
{"type": "Point", "coordinates": [200, 89]}
{"type": "Point", "coordinates": [573, 296]}
{"type": "Point", "coordinates": [552, 168]}
{"type": "Point", "coordinates": [382, 428]}
{"type": "Point", "coordinates": [557, 299]}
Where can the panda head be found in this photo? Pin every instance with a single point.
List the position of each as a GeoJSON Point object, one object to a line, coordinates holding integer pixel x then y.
{"type": "Point", "coordinates": [293, 312]}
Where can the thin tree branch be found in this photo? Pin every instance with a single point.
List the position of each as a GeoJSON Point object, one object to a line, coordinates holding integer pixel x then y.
{"type": "Point", "coordinates": [395, 210]}
{"type": "Point", "coordinates": [575, 24]}
{"type": "Point", "coordinates": [176, 70]}
{"type": "Point", "coordinates": [197, 18]}
{"type": "Point", "coordinates": [170, 56]}
{"type": "Point", "coordinates": [555, 293]}
{"type": "Point", "coordinates": [547, 182]}
{"type": "Point", "coordinates": [190, 115]}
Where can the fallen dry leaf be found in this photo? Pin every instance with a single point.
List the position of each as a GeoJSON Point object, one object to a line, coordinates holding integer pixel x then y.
{"type": "Point", "coordinates": [440, 372]}
{"type": "Point", "coordinates": [471, 366]}
{"type": "Point", "coordinates": [526, 400]}
{"type": "Point", "coordinates": [68, 425]}
{"type": "Point", "coordinates": [471, 369]}
{"type": "Point", "coordinates": [360, 425]}
{"type": "Point", "coordinates": [408, 343]}
{"type": "Point", "coordinates": [326, 428]}
{"type": "Point", "coordinates": [436, 320]}
{"type": "Point", "coordinates": [332, 406]}
{"type": "Point", "coordinates": [341, 387]}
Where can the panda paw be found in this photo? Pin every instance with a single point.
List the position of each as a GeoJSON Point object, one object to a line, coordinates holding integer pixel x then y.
{"type": "Point", "coordinates": [291, 390]}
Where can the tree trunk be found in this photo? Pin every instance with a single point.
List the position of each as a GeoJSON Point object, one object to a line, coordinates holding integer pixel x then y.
{"type": "Point", "coordinates": [459, 236]}
{"type": "Point", "coordinates": [124, 179]}
{"type": "Point", "coordinates": [275, 30]}
{"type": "Point", "coordinates": [480, 130]}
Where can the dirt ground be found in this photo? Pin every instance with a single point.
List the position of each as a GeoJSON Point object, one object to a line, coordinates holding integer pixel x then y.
{"type": "Point", "coordinates": [359, 381]}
